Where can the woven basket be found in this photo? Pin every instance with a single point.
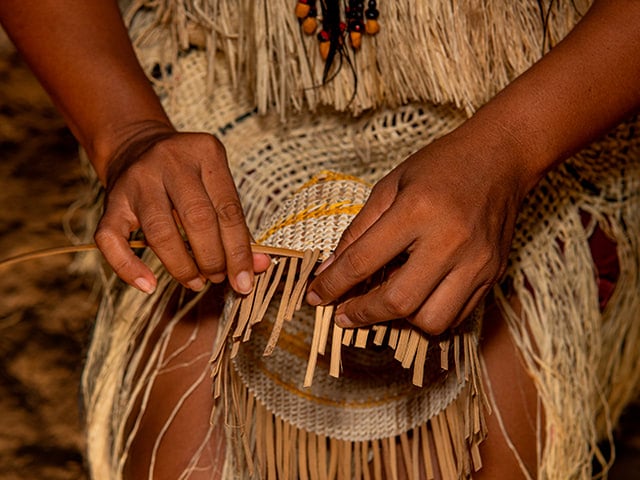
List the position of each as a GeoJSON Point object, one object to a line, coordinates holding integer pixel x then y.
{"type": "Point", "coordinates": [284, 373]}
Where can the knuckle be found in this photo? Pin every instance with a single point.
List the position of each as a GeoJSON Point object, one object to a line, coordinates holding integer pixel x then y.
{"type": "Point", "coordinates": [489, 264]}
{"type": "Point", "coordinates": [211, 262]}
{"type": "Point", "coordinates": [397, 302]}
{"type": "Point", "coordinates": [183, 273]}
{"type": "Point", "coordinates": [327, 288]}
{"type": "Point", "coordinates": [461, 231]}
{"type": "Point", "coordinates": [215, 144]}
{"type": "Point", "coordinates": [230, 213]}
{"type": "Point", "coordinates": [349, 235]}
{"type": "Point", "coordinates": [122, 266]}
{"type": "Point", "coordinates": [163, 148]}
{"type": "Point", "coordinates": [417, 204]}
{"type": "Point", "coordinates": [239, 255]}
{"type": "Point", "coordinates": [198, 214]}
{"type": "Point", "coordinates": [158, 230]}
{"type": "Point", "coordinates": [358, 315]}
{"type": "Point", "coordinates": [356, 262]}
{"type": "Point", "coordinates": [212, 267]}
{"type": "Point", "coordinates": [104, 236]}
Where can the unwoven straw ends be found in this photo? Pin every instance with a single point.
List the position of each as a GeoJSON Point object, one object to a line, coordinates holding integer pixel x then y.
{"type": "Point", "coordinates": [267, 446]}
{"type": "Point", "coordinates": [410, 344]}
{"type": "Point", "coordinates": [283, 451]}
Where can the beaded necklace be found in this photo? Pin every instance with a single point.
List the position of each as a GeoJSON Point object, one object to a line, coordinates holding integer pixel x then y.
{"type": "Point", "coordinates": [331, 37]}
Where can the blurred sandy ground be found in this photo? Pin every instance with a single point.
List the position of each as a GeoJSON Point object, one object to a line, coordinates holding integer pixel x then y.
{"type": "Point", "coordinates": [46, 311]}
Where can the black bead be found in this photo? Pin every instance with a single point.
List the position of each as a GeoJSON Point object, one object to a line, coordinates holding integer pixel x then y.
{"type": "Point", "coordinates": [372, 14]}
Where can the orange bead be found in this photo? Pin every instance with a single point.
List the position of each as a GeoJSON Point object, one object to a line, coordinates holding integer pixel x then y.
{"type": "Point", "coordinates": [356, 39]}
{"type": "Point", "coordinates": [372, 26]}
{"type": "Point", "coordinates": [302, 10]}
{"type": "Point", "coordinates": [309, 25]}
{"type": "Point", "coordinates": [324, 49]}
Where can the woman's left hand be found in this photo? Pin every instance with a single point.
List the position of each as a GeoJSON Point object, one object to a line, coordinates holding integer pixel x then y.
{"type": "Point", "coordinates": [450, 209]}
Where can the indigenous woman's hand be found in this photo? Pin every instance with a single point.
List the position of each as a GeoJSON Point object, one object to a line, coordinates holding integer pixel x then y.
{"type": "Point", "coordinates": [163, 182]}
{"type": "Point", "coordinates": [451, 207]}
{"type": "Point", "coordinates": [448, 212]}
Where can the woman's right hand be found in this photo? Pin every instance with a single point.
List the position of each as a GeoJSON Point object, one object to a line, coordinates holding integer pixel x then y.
{"type": "Point", "coordinates": [156, 178]}
{"type": "Point", "coordinates": [162, 182]}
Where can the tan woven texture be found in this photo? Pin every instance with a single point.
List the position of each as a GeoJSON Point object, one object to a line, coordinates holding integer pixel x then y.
{"type": "Point", "coordinates": [381, 403]}
{"type": "Point", "coordinates": [375, 395]}
{"type": "Point", "coordinates": [583, 361]}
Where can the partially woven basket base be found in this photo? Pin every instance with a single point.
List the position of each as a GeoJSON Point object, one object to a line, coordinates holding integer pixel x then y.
{"type": "Point", "coordinates": [277, 388]}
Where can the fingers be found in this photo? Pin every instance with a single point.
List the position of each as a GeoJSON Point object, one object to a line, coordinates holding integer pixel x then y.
{"type": "Point", "coordinates": [380, 199]}
{"type": "Point", "coordinates": [448, 271]}
{"type": "Point", "coordinates": [233, 231]}
{"type": "Point", "coordinates": [447, 303]}
{"type": "Point", "coordinates": [154, 217]}
{"type": "Point", "coordinates": [399, 296]}
{"type": "Point", "coordinates": [330, 288]}
{"type": "Point", "coordinates": [198, 218]}
{"type": "Point", "coordinates": [182, 182]}
{"type": "Point", "coordinates": [357, 263]}
{"type": "Point", "coordinates": [112, 238]}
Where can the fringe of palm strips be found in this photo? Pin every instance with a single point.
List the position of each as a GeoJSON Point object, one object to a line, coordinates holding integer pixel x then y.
{"type": "Point", "coordinates": [273, 448]}
{"type": "Point", "coordinates": [262, 42]}
{"type": "Point", "coordinates": [268, 447]}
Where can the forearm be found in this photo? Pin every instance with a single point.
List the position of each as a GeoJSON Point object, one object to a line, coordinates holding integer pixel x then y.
{"type": "Point", "coordinates": [586, 85]}
{"type": "Point", "coordinates": [81, 53]}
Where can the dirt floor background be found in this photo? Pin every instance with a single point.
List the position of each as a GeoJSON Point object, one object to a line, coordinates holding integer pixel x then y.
{"type": "Point", "coordinates": [46, 311]}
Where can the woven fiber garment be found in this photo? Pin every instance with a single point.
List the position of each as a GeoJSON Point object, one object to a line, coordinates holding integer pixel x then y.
{"type": "Point", "coordinates": [582, 359]}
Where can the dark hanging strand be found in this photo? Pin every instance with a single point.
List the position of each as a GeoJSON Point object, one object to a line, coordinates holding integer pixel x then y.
{"type": "Point", "coordinates": [331, 31]}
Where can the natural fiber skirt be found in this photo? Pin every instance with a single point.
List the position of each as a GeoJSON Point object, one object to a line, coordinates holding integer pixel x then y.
{"type": "Point", "coordinates": [581, 355]}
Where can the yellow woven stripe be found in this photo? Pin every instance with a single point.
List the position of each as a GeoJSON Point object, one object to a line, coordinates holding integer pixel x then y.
{"type": "Point", "coordinates": [316, 211]}
{"type": "Point", "coordinates": [330, 176]}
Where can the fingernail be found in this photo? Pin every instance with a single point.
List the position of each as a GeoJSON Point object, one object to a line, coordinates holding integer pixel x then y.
{"type": "Point", "coordinates": [343, 321]}
{"type": "Point", "coordinates": [144, 285]}
{"type": "Point", "coordinates": [313, 298]}
{"type": "Point", "coordinates": [244, 282]}
{"type": "Point", "coordinates": [324, 265]}
{"type": "Point", "coordinates": [197, 284]}
{"type": "Point", "coordinates": [217, 278]}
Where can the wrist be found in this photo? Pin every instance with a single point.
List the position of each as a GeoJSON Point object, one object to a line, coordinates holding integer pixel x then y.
{"type": "Point", "coordinates": [112, 151]}
{"type": "Point", "coordinates": [493, 157]}
{"type": "Point", "coordinates": [516, 146]}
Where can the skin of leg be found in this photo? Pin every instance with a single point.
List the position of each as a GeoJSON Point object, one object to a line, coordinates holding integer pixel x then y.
{"type": "Point", "coordinates": [186, 432]}
{"type": "Point", "coordinates": [513, 388]}
{"type": "Point", "coordinates": [517, 402]}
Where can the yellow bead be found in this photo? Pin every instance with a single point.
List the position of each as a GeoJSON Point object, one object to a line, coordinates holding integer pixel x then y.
{"type": "Point", "coordinates": [309, 25]}
{"type": "Point", "coordinates": [302, 10]}
{"type": "Point", "coordinates": [372, 26]}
